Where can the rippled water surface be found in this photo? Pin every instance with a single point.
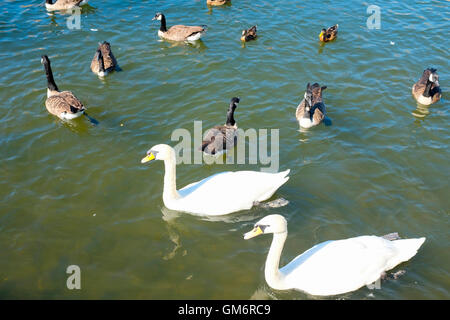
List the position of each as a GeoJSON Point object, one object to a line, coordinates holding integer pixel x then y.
{"type": "Point", "coordinates": [74, 193]}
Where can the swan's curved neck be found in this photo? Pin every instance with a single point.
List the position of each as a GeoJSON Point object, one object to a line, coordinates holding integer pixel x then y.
{"type": "Point", "coordinates": [170, 185]}
{"type": "Point", "coordinates": [274, 277]}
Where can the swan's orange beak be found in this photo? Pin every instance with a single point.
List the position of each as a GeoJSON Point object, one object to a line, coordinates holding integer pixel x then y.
{"type": "Point", "coordinates": [255, 232]}
{"type": "Point", "coordinates": [148, 158]}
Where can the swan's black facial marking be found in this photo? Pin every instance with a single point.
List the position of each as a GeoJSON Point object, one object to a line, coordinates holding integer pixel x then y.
{"type": "Point", "coordinates": [261, 226]}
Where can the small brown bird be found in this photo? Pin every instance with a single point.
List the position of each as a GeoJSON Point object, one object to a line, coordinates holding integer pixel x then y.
{"type": "Point", "coordinates": [249, 34]}
{"type": "Point", "coordinates": [219, 139]}
{"type": "Point", "coordinates": [62, 104]}
{"type": "Point", "coordinates": [216, 2]}
{"type": "Point", "coordinates": [104, 61]}
{"type": "Point", "coordinates": [427, 90]}
{"type": "Point", "coordinates": [179, 32]}
{"type": "Point", "coordinates": [311, 110]}
{"type": "Point", "coordinates": [329, 34]}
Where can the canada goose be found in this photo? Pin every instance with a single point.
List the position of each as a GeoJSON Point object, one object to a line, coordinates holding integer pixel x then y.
{"type": "Point", "coordinates": [219, 194]}
{"type": "Point", "coordinates": [63, 4]}
{"type": "Point", "coordinates": [335, 266]}
{"type": "Point", "coordinates": [311, 110]}
{"type": "Point", "coordinates": [221, 138]}
{"type": "Point", "coordinates": [62, 104]}
{"type": "Point", "coordinates": [216, 2]}
{"type": "Point", "coordinates": [249, 34]}
{"type": "Point", "coordinates": [179, 32]}
{"type": "Point", "coordinates": [104, 60]}
{"type": "Point", "coordinates": [427, 90]}
{"type": "Point", "coordinates": [329, 34]}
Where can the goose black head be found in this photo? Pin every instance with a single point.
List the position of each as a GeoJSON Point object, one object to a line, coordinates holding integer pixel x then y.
{"type": "Point", "coordinates": [158, 16]}
{"type": "Point", "coordinates": [45, 60]}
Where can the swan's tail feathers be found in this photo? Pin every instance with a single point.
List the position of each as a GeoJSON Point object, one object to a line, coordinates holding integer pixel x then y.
{"type": "Point", "coordinates": [391, 236]}
{"type": "Point", "coordinates": [277, 180]}
{"type": "Point", "coordinates": [285, 173]}
{"type": "Point", "coordinates": [407, 248]}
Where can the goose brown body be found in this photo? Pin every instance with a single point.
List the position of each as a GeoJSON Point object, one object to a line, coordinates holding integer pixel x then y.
{"type": "Point", "coordinates": [63, 104]}
{"type": "Point", "coordinates": [179, 32]}
{"type": "Point", "coordinates": [427, 90]}
{"type": "Point", "coordinates": [222, 138]}
{"type": "Point", "coordinates": [311, 111]}
{"type": "Point", "coordinates": [106, 56]}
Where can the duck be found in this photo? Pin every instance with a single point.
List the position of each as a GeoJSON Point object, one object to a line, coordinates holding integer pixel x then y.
{"type": "Point", "coordinates": [332, 267]}
{"type": "Point", "coordinates": [248, 34]}
{"type": "Point", "coordinates": [63, 104]}
{"type": "Point", "coordinates": [311, 111]}
{"type": "Point", "coordinates": [104, 61]}
{"type": "Point", "coordinates": [329, 34]}
{"type": "Point", "coordinates": [220, 194]}
{"type": "Point", "coordinates": [219, 139]}
{"type": "Point", "coordinates": [427, 90]}
{"type": "Point", "coordinates": [217, 2]}
{"type": "Point", "coordinates": [63, 4]}
{"type": "Point", "coordinates": [179, 32]}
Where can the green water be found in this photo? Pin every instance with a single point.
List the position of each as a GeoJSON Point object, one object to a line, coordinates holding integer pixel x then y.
{"type": "Point", "coordinates": [76, 194]}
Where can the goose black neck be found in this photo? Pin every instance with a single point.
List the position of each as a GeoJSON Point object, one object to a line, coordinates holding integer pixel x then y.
{"type": "Point", "coordinates": [230, 115]}
{"type": "Point", "coordinates": [101, 64]}
{"type": "Point", "coordinates": [427, 91]}
{"type": "Point", "coordinates": [49, 1]}
{"type": "Point", "coordinates": [51, 85]}
{"type": "Point", "coordinates": [163, 27]}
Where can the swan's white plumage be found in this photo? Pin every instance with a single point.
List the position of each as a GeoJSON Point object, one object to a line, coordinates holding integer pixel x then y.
{"type": "Point", "coordinates": [219, 194]}
{"type": "Point", "coordinates": [340, 266]}
{"type": "Point", "coordinates": [335, 266]}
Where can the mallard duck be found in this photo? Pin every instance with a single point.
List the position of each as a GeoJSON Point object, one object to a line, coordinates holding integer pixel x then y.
{"type": "Point", "coordinates": [331, 267]}
{"type": "Point", "coordinates": [222, 138]}
{"type": "Point", "coordinates": [62, 104]}
{"type": "Point", "coordinates": [329, 34]}
{"type": "Point", "coordinates": [311, 111]}
{"type": "Point", "coordinates": [216, 2]}
{"type": "Point", "coordinates": [248, 34]}
{"type": "Point", "coordinates": [219, 194]}
{"type": "Point", "coordinates": [427, 90]}
{"type": "Point", "coordinates": [63, 4]}
{"type": "Point", "coordinates": [104, 60]}
{"type": "Point", "coordinates": [179, 32]}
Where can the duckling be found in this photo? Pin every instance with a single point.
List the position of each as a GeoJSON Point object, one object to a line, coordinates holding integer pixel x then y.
{"type": "Point", "coordinates": [329, 34]}
{"type": "Point", "coordinates": [311, 110]}
{"type": "Point", "coordinates": [219, 139]}
{"type": "Point", "coordinates": [249, 34]}
{"type": "Point", "coordinates": [62, 104]}
{"type": "Point", "coordinates": [179, 32]}
{"type": "Point", "coordinates": [427, 90]}
{"type": "Point", "coordinates": [216, 2]}
{"type": "Point", "coordinates": [63, 4]}
{"type": "Point", "coordinates": [104, 61]}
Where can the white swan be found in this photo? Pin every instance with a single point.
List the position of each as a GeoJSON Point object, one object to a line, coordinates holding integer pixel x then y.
{"type": "Point", "coordinates": [219, 194]}
{"type": "Point", "coordinates": [331, 267]}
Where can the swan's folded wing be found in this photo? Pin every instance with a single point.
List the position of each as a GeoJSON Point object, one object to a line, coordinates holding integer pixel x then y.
{"type": "Point", "coordinates": [335, 267]}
